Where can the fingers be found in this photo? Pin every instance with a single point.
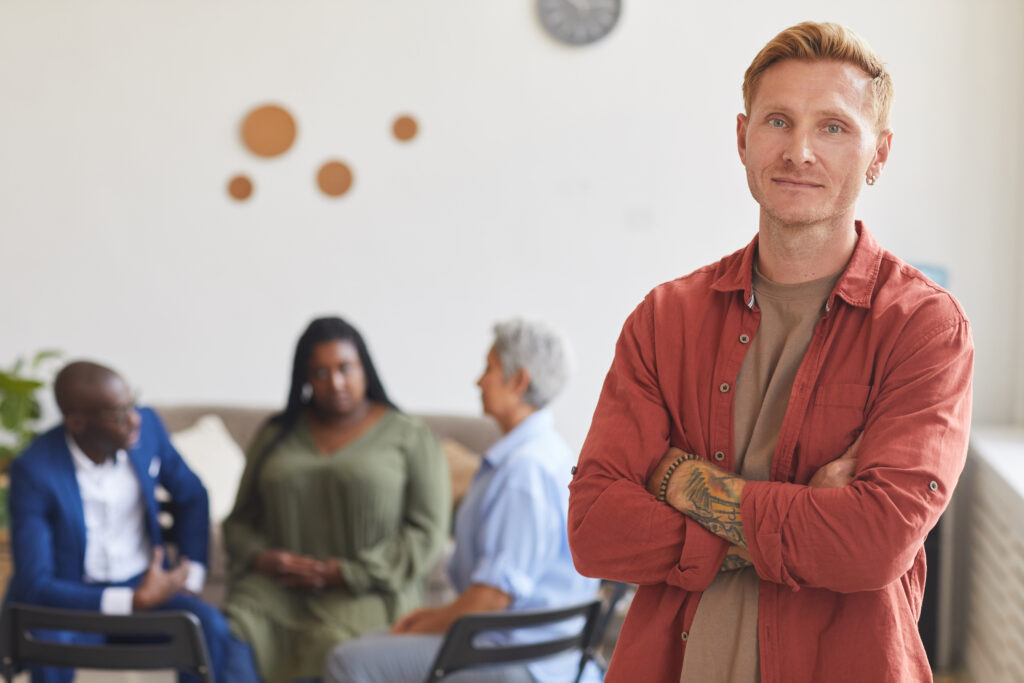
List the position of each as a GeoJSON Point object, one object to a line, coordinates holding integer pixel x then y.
{"type": "Point", "coordinates": [853, 451]}
{"type": "Point", "coordinates": [301, 581]}
{"type": "Point", "coordinates": [835, 474]}
{"type": "Point", "coordinates": [300, 565]}
{"type": "Point", "coordinates": [403, 624]}
{"type": "Point", "coordinates": [182, 568]}
{"type": "Point", "coordinates": [157, 561]}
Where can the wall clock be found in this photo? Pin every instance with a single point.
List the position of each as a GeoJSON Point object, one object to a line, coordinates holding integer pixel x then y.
{"type": "Point", "coordinates": [579, 22]}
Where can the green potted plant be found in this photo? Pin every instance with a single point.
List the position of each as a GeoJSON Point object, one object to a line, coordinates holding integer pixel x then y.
{"type": "Point", "coordinates": [19, 414]}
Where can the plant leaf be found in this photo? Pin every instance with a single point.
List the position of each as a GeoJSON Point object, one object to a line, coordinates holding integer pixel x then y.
{"type": "Point", "coordinates": [20, 385]}
{"type": "Point", "coordinates": [43, 355]}
{"type": "Point", "coordinates": [14, 411]}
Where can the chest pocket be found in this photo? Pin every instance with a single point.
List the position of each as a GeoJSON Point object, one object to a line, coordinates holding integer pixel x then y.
{"type": "Point", "coordinates": [834, 418]}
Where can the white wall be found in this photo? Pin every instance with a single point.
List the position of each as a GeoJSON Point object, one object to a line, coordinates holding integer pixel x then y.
{"type": "Point", "coordinates": [549, 181]}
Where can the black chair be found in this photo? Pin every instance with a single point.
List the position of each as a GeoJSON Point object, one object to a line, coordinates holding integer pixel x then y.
{"type": "Point", "coordinates": [152, 640]}
{"type": "Point", "coordinates": [458, 651]}
{"type": "Point", "coordinates": [611, 593]}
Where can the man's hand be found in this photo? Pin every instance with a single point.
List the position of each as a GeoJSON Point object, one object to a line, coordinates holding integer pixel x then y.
{"type": "Point", "coordinates": [736, 558]}
{"type": "Point", "coordinates": [840, 471]}
{"type": "Point", "coordinates": [159, 586]}
{"type": "Point", "coordinates": [711, 496]}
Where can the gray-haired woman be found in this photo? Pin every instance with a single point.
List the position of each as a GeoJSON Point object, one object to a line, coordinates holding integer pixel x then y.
{"type": "Point", "coordinates": [511, 547]}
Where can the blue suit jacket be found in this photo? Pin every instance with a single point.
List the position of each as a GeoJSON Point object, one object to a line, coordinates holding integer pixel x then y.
{"type": "Point", "coordinates": [48, 526]}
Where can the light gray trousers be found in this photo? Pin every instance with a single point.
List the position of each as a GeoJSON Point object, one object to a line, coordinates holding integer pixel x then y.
{"type": "Point", "coordinates": [383, 658]}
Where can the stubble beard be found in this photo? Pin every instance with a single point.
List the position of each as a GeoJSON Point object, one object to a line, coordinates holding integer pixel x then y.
{"type": "Point", "coordinates": [800, 219]}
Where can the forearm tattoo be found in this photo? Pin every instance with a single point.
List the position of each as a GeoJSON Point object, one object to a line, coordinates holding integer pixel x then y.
{"type": "Point", "coordinates": [712, 500]}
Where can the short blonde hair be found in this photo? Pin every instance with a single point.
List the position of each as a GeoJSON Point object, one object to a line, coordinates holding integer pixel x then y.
{"type": "Point", "coordinates": [813, 41]}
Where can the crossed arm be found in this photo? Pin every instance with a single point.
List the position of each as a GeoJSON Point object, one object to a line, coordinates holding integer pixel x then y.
{"type": "Point", "coordinates": [711, 496]}
{"type": "Point", "coordinates": [916, 426]}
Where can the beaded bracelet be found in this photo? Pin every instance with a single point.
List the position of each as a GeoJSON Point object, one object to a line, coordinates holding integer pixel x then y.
{"type": "Point", "coordinates": [663, 489]}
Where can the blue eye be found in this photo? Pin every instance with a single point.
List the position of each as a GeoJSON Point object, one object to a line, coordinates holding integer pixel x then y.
{"type": "Point", "coordinates": [833, 129]}
{"type": "Point", "coordinates": [776, 123]}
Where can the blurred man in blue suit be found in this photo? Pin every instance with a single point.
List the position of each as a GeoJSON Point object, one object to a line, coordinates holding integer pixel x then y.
{"type": "Point", "coordinates": [84, 528]}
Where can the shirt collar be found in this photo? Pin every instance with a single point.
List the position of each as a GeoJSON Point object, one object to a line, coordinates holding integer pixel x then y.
{"type": "Point", "coordinates": [83, 463]}
{"type": "Point", "coordinates": [540, 421]}
{"type": "Point", "coordinates": [854, 286]}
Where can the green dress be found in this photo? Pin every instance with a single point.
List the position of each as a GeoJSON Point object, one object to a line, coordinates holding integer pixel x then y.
{"type": "Point", "coordinates": [380, 505]}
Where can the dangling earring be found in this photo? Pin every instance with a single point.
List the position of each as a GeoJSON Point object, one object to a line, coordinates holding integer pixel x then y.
{"type": "Point", "coordinates": [307, 392]}
{"type": "Point", "coordinates": [870, 180]}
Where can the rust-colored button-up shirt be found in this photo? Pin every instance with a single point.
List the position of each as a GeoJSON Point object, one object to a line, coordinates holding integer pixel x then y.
{"type": "Point", "coordinates": [842, 570]}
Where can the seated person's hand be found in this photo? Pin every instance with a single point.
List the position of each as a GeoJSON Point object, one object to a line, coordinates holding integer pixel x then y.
{"type": "Point", "coordinates": [425, 620]}
{"type": "Point", "coordinates": [839, 472]}
{"type": "Point", "coordinates": [159, 585]}
{"type": "Point", "coordinates": [298, 571]}
{"type": "Point", "coordinates": [478, 597]}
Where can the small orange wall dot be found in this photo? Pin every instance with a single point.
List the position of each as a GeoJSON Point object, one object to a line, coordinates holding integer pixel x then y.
{"type": "Point", "coordinates": [405, 128]}
{"type": "Point", "coordinates": [240, 187]}
{"type": "Point", "coordinates": [334, 178]}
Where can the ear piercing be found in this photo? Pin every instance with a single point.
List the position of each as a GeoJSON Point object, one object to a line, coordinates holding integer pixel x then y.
{"type": "Point", "coordinates": [870, 180]}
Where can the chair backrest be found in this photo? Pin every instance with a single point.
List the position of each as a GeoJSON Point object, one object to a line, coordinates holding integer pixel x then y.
{"type": "Point", "coordinates": [458, 651]}
{"type": "Point", "coordinates": [152, 640]}
{"type": "Point", "coordinates": [612, 592]}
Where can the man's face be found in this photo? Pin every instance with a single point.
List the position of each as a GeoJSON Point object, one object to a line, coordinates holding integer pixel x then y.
{"type": "Point", "coordinates": [810, 142]}
{"type": "Point", "coordinates": [105, 420]}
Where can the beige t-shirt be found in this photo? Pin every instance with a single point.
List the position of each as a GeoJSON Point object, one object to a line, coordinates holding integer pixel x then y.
{"type": "Point", "coordinates": [721, 646]}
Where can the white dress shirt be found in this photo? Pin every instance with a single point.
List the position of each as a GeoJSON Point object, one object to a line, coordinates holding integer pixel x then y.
{"type": "Point", "coordinates": [117, 543]}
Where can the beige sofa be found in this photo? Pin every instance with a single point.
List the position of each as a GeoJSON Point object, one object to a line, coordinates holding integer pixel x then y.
{"type": "Point", "coordinates": [219, 461]}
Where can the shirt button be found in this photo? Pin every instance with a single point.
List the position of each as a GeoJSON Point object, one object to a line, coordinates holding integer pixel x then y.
{"type": "Point", "coordinates": [685, 635]}
{"type": "Point", "coordinates": [723, 387]}
{"type": "Point", "coordinates": [719, 456]}
{"type": "Point", "coordinates": [744, 339]}
{"type": "Point", "coordinates": [933, 486]}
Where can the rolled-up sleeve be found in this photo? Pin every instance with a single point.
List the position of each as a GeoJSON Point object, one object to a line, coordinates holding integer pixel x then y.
{"type": "Point", "coordinates": [617, 529]}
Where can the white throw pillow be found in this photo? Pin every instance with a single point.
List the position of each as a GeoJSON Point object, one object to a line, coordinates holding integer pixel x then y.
{"type": "Point", "coordinates": [213, 455]}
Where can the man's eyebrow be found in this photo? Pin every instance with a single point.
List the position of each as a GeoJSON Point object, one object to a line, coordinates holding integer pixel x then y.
{"type": "Point", "coordinates": [835, 114]}
{"type": "Point", "coordinates": [773, 109]}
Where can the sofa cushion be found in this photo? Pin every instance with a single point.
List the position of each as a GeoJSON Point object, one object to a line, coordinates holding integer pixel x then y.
{"type": "Point", "coordinates": [211, 452]}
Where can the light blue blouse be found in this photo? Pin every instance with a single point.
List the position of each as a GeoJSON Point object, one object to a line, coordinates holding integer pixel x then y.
{"type": "Point", "coordinates": [510, 533]}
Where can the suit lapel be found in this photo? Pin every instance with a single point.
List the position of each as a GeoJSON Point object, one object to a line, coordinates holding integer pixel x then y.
{"type": "Point", "coordinates": [141, 457]}
{"type": "Point", "coordinates": [69, 497]}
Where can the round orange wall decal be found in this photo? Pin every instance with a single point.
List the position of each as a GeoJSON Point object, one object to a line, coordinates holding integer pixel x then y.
{"type": "Point", "coordinates": [405, 128]}
{"type": "Point", "coordinates": [334, 178]}
{"type": "Point", "coordinates": [268, 130]}
{"type": "Point", "coordinates": [240, 187]}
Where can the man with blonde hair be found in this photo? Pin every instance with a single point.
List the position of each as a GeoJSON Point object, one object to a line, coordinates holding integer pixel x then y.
{"type": "Point", "coordinates": [779, 431]}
